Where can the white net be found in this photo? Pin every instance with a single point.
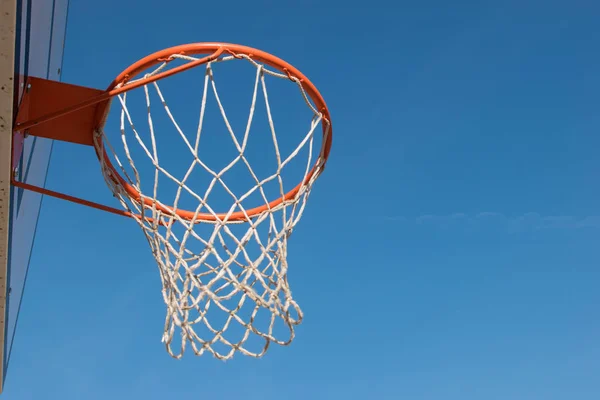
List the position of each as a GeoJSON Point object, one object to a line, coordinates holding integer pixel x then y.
{"type": "Point", "coordinates": [234, 266]}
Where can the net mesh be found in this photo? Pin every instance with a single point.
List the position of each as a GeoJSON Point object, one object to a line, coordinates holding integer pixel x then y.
{"type": "Point", "coordinates": [236, 267]}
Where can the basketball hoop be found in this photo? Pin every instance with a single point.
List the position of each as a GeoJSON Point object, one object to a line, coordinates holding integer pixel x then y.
{"type": "Point", "coordinates": [191, 284]}
{"type": "Point", "coordinates": [214, 51]}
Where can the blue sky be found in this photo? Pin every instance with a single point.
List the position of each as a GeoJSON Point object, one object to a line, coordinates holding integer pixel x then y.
{"type": "Point", "coordinates": [449, 251]}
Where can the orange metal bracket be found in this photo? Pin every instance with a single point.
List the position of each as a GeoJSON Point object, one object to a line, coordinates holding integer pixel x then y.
{"type": "Point", "coordinates": [43, 97]}
{"type": "Point", "coordinates": [73, 199]}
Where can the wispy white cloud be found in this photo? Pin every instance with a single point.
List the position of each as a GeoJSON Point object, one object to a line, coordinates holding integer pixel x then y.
{"type": "Point", "coordinates": [524, 222]}
{"type": "Point", "coordinates": [396, 218]}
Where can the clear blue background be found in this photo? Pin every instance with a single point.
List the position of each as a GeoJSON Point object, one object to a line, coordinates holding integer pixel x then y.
{"type": "Point", "coordinates": [450, 251]}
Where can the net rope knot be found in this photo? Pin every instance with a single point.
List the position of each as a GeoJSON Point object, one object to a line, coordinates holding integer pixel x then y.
{"type": "Point", "coordinates": [223, 274]}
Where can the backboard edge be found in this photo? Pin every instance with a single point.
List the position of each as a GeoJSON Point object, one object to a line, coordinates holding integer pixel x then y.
{"type": "Point", "coordinates": [8, 26]}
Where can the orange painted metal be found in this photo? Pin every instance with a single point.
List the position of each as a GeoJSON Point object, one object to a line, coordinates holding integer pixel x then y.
{"type": "Point", "coordinates": [44, 96]}
{"type": "Point", "coordinates": [78, 114]}
{"type": "Point", "coordinates": [78, 200]}
{"type": "Point", "coordinates": [71, 198]}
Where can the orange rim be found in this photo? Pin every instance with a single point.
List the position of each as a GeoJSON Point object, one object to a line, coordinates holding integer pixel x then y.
{"type": "Point", "coordinates": [212, 52]}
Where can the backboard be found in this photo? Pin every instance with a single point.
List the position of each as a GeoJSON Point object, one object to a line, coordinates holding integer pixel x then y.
{"type": "Point", "coordinates": [32, 34]}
